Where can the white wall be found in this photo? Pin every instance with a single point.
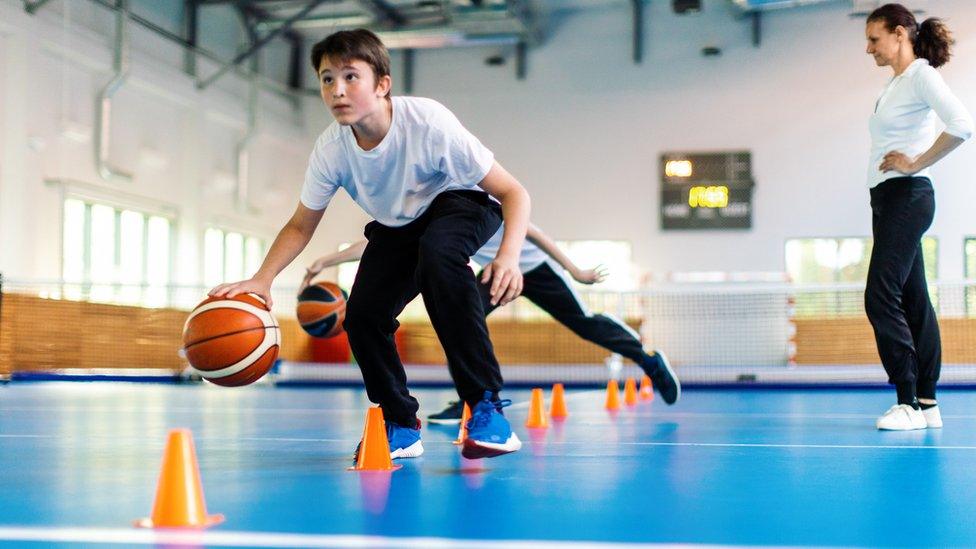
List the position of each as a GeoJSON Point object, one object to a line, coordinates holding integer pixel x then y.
{"type": "Point", "coordinates": [583, 131]}
{"type": "Point", "coordinates": [52, 66]}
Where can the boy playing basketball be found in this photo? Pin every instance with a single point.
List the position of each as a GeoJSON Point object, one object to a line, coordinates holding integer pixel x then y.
{"type": "Point", "coordinates": [425, 180]}
{"type": "Point", "coordinates": [544, 268]}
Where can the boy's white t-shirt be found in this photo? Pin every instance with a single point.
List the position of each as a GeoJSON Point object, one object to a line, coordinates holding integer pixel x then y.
{"type": "Point", "coordinates": [426, 152]}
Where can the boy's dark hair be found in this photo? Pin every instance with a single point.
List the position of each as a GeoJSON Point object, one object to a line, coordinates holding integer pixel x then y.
{"type": "Point", "coordinates": [359, 44]}
{"type": "Point", "coordinates": [931, 39]}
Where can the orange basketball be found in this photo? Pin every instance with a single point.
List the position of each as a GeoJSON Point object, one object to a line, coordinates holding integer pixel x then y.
{"type": "Point", "coordinates": [321, 309]}
{"type": "Point", "coordinates": [231, 341]}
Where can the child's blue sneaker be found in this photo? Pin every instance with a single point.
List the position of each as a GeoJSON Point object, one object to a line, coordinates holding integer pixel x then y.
{"type": "Point", "coordinates": [489, 433]}
{"type": "Point", "coordinates": [404, 442]}
{"type": "Point", "coordinates": [658, 368]}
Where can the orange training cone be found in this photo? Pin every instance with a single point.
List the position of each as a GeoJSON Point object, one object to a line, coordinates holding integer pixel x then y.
{"type": "Point", "coordinates": [537, 415]}
{"type": "Point", "coordinates": [558, 407]}
{"type": "Point", "coordinates": [374, 450]}
{"type": "Point", "coordinates": [613, 395]}
{"type": "Point", "coordinates": [630, 392]}
{"type": "Point", "coordinates": [646, 388]}
{"type": "Point", "coordinates": [179, 495]}
{"type": "Point", "coordinates": [463, 431]}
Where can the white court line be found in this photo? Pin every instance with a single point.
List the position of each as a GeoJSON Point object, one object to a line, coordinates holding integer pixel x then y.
{"type": "Point", "coordinates": [638, 412]}
{"type": "Point", "coordinates": [270, 539]}
{"type": "Point", "coordinates": [826, 446]}
{"type": "Point", "coordinates": [197, 410]}
{"type": "Point", "coordinates": [571, 442]}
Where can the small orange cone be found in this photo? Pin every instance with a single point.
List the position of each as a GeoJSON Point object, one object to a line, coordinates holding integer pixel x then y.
{"type": "Point", "coordinates": [646, 388]}
{"type": "Point", "coordinates": [630, 392]}
{"type": "Point", "coordinates": [374, 452]}
{"type": "Point", "coordinates": [463, 431]}
{"type": "Point", "coordinates": [613, 395]}
{"type": "Point", "coordinates": [179, 495]}
{"type": "Point", "coordinates": [558, 409]}
{"type": "Point", "coordinates": [537, 411]}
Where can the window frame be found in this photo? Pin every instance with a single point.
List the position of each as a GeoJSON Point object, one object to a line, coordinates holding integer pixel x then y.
{"type": "Point", "coordinates": [225, 230]}
{"type": "Point", "coordinates": [147, 210]}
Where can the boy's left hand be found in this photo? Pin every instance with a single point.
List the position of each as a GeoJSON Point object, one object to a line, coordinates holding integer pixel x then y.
{"type": "Point", "coordinates": [505, 278]}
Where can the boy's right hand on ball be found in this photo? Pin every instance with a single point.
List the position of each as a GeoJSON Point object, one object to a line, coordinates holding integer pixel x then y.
{"type": "Point", "coordinates": [254, 286]}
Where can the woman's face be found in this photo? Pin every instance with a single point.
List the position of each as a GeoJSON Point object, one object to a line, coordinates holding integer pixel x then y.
{"type": "Point", "coordinates": [883, 44]}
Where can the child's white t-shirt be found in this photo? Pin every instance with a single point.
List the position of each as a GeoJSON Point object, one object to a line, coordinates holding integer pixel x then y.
{"type": "Point", "coordinates": [531, 257]}
{"type": "Point", "coordinates": [426, 152]}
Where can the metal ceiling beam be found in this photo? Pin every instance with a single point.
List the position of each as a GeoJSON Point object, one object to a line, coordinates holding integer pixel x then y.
{"type": "Point", "coordinates": [253, 16]}
{"type": "Point", "coordinates": [31, 6]}
{"type": "Point", "coordinates": [385, 12]}
{"type": "Point", "coordinates": [756, 28]}
{"type": "Point", "coordinates": [521, 57]}
{"type": "Point", "coordinates": [523, 12]}
{"type": "Point", "coordinates": [268, 84]}
{"type": "Point", "coordinates": [408, 61]}
{"type": "Point", "coordinates": [638, 9]}
{"type": "Point", "coordinates": [261, 43]}
{"type": "Point", "coordinates": [338, 21]}
{"type": "Point", "coordinates": [296, 64]}
{"type": "Point", "coordinates": [259, 15]}
{"type": "Point", "coordinates": [191, 19]}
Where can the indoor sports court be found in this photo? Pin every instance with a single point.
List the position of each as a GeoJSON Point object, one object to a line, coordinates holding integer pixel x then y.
{"type": "Point", "coordinates": [726, 334]}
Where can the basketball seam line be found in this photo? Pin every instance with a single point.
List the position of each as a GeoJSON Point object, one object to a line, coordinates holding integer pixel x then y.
{"type": "Point", "coordinates": [227, 334]}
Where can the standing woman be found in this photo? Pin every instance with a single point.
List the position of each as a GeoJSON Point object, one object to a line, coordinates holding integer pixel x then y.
{"type": "Point", "coordinates": [903, 146]}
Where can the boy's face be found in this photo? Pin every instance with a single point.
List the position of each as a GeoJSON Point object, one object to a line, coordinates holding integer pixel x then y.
{"type": "Point", "coordinates": [350, 90]}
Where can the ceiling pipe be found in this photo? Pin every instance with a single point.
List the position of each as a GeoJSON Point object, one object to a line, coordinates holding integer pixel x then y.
{"type": "Point", "coordinates": [243, 194]}
{"type": "Point", "coordinates": [103, 104]}
{"type": "Point", "coordinates": [637, 7]}
{"type": "Point", "coordinates": [260, 43]}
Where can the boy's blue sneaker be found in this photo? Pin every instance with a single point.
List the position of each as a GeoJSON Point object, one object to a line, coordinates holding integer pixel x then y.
{"type": "Point", "coordinates": [489, 433]}
{"type": "Point", "coordinates": [404, 442]}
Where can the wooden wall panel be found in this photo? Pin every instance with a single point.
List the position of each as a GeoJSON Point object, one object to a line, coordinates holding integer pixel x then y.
{"type": "Point", "coordinates": [47, 334]}
{"type": "Point", "coordinates": [545, 342]}
{"type": "Point", "coordinates": [851, 341]}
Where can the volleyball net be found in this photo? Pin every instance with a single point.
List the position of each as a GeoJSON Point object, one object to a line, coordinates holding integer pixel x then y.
{"type": "Point", "coordinates": [714, 333]}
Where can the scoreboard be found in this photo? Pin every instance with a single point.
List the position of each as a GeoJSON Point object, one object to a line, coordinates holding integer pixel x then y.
{"type": "Point", "coordinates": [706, 190]}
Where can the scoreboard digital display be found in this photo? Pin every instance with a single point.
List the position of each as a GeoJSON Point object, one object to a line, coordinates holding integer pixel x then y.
{"type": "Point", "coordinates": [706, 190]}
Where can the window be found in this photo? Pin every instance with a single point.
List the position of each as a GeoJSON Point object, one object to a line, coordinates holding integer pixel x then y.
{"type": "Point", "coordinates": [229, 256]}
{"type": "Point", "coordinates": [842, 260]}
{"type": "Point", "coordinates": [812, 261]}
{"type": "Point", "coordinates": [615, 255]}
{"type": "Point", "coordinates": [114, 254]}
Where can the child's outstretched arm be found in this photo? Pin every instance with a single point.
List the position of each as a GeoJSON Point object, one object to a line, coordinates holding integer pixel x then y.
{"type": "Point", "coordinates": [352, 253]}
{"type": "Point", "coordinates": [291, 240]}
{"type": "Point", "coordinates": [546, 244]}
{"type": "Point", "coordinates": [503, 272]}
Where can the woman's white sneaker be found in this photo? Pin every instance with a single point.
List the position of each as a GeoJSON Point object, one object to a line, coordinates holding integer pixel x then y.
{"type": "Point", "coordinates": [933, 417]}
{"type": "Point", "coordinates": [902, 417]}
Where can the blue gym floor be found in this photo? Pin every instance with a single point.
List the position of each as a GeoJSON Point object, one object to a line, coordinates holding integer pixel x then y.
{"type": "Point", "coordinates": [79, 462]}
